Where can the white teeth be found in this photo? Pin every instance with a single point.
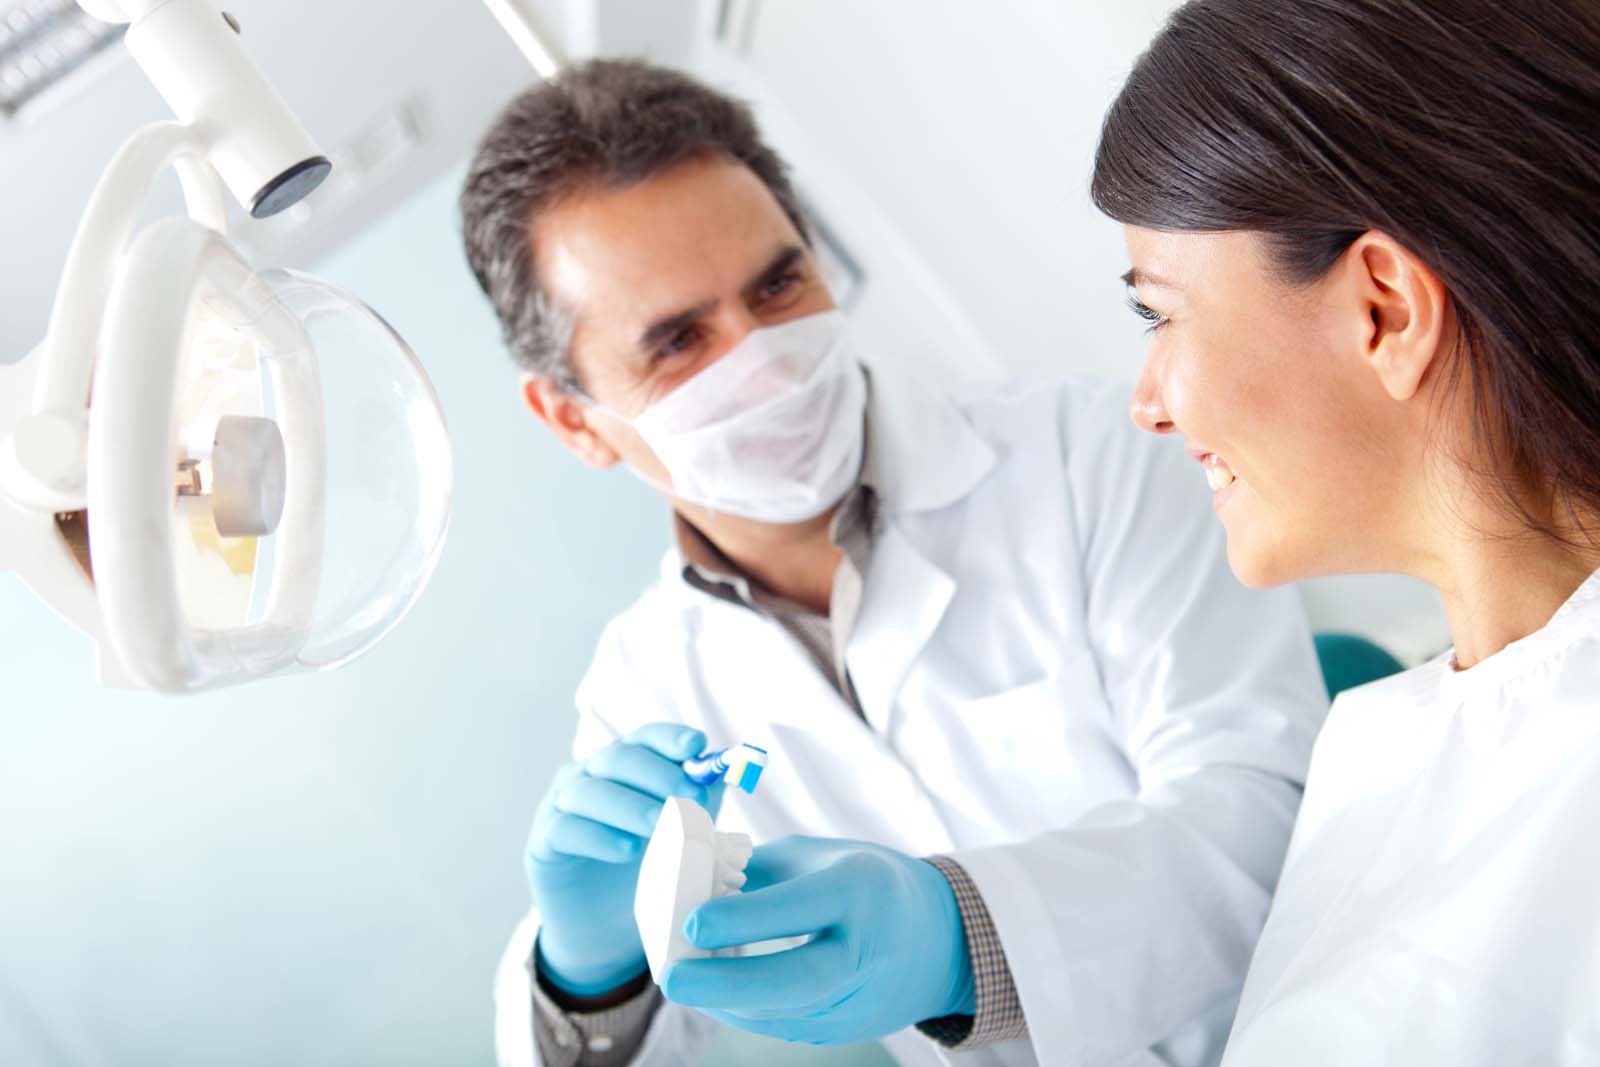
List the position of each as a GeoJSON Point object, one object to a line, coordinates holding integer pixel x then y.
{"type": "Point", "coordinates": [1218, 476]}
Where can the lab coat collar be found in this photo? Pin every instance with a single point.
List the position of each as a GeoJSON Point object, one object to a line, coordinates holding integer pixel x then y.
{"type": "Point", "coordinates": [926, 454]}
{"type": "Point", "coordinates": [904, 600]}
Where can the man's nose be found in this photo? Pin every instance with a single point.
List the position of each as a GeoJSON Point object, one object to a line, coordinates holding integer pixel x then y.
{"type": "Point", "coordinates": [733, 324]}
{"type": "Point", "coordinates": [739, 319]}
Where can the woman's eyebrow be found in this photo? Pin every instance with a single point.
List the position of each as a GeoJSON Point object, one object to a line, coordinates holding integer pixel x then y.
{"type": "Point", "coordinates": [1137, 277]}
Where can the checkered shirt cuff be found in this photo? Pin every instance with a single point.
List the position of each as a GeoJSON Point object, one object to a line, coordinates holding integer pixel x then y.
{"type": "Point", "coordinates": [999, 1012]}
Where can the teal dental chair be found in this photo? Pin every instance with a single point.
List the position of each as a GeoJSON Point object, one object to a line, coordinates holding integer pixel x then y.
{"type": "Point", "coordinates": [1348, 661]}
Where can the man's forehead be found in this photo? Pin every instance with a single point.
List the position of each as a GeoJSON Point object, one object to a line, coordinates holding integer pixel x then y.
{"type": "Point", "coordinates": [660, 246]}
{"type": "Point", "coordinates": [582, 264]}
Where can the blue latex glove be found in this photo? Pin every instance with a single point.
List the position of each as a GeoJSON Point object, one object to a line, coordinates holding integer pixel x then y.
{"type": "Point", "coordinates": [583, 855]}
{"type": "Point", "coordinates": [887, 947]}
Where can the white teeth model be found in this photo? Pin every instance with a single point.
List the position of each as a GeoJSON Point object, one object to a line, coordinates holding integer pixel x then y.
{"type": "Point", "coordinates": [687, 863]}
{"type": "Point", "coordinates": [1218, 474]}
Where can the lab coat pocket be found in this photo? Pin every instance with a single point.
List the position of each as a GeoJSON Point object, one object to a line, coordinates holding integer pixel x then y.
{"type": "Point", "coordinates": [1021, 728]}
{"type": "Point", "coordinates": [1042, 752]}
{"type": "Point", "coordinates": [1055, 723]}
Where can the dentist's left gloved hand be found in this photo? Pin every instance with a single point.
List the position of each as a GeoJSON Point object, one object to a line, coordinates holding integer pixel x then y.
{"type": "Point", "coordinates": [887, 949]}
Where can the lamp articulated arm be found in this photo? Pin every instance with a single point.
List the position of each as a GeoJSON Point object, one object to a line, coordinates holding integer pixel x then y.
{"type": "Point", "coordinates": [232, 128]}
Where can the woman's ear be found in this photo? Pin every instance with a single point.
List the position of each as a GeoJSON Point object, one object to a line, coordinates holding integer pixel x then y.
{"type": "Point", "coordinates": [568, 417]}
{"type": "Point", "coordinates": [1406, 312]}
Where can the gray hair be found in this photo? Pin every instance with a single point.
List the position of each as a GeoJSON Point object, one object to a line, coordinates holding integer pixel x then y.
{"type": "Point", "coordinates": [611, 123]}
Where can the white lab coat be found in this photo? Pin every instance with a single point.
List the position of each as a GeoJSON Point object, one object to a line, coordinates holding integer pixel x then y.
{"type": "Point", "coordinates": [1441, 900]}
{"type": "Point", "coordinates": [1065, 688]}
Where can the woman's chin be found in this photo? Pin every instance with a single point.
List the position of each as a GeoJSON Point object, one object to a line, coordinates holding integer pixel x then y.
{"type": "Point", "coordinates": [1259, 565]}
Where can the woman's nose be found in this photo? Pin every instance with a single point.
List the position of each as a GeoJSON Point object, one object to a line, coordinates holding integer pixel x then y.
{"type": "Point", "coordinates": [1149, 413]}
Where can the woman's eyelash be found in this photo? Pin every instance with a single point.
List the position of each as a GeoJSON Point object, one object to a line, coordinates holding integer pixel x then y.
{"type": "Point", "coordinates": [1147, 313]}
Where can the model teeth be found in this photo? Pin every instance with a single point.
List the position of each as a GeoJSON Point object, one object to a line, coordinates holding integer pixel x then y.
{"type": "Point", "coordinates": [1218, 474]}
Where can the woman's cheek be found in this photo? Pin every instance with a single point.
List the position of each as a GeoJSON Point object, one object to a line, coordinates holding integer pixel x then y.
{"type": "Point", "coordinates": [1201, 399]}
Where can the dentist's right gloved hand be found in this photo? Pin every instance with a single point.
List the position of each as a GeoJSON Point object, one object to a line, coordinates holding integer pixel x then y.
{"type": "Point", "coordinates": [885, 948]}
{"type": "Point", "coordinates": [583, 855]}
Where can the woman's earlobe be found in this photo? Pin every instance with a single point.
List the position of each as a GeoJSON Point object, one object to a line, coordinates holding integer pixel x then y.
{"type": "Point", "coordinates": [1401, 375]}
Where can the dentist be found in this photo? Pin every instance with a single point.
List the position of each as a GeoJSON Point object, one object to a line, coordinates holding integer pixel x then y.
{"type": "Point", "coordinates": [1035, 751]}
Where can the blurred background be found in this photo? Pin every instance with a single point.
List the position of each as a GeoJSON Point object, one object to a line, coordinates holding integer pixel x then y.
{"type": "Point", "coordinates": [322, 870]}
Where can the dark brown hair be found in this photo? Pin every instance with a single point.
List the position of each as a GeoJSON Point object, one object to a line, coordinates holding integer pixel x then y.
{"type": "Point", "coordinates": [606, 122]}
{"type": "Point", "coordinates": [1467, 130]}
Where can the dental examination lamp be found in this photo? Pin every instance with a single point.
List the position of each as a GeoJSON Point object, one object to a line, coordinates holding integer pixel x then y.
{"type": "Point", "coordinates": [215, 472]}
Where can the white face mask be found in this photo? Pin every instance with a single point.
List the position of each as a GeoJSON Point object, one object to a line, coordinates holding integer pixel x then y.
{"type": "Point", "coordinates": [773, 430]}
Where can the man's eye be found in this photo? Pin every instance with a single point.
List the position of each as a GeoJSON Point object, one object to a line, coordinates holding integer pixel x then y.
{"type": "Point", "coordinates": [776, 287]}
{"type": "Point", "coordinates": [679, 342]}
{"type": "Point", "coordinates": [1148, 313]}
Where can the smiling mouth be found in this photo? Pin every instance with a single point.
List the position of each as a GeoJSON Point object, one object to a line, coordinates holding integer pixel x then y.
{"type": "Point", "coordinates": [1218, 474]}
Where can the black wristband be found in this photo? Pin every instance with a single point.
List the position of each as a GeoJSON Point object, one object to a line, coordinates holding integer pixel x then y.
{"type": "Point", "coordinates": [611, 998]}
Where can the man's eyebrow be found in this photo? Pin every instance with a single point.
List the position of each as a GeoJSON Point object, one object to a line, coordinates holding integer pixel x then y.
{"type": "Point", "coordinates": [785, 261]}
{"type": "Point", "coordinates": [665, 328]}
{"type": "Point", "coordinates": [1136, 277]}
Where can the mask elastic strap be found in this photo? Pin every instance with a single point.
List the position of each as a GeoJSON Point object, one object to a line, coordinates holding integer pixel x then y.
{"type": "Point", "coordinates": [595, 406]}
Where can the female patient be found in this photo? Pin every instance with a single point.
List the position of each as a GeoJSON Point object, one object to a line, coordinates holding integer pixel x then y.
{"type": "Point", "coordinates": [1366, 236]}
